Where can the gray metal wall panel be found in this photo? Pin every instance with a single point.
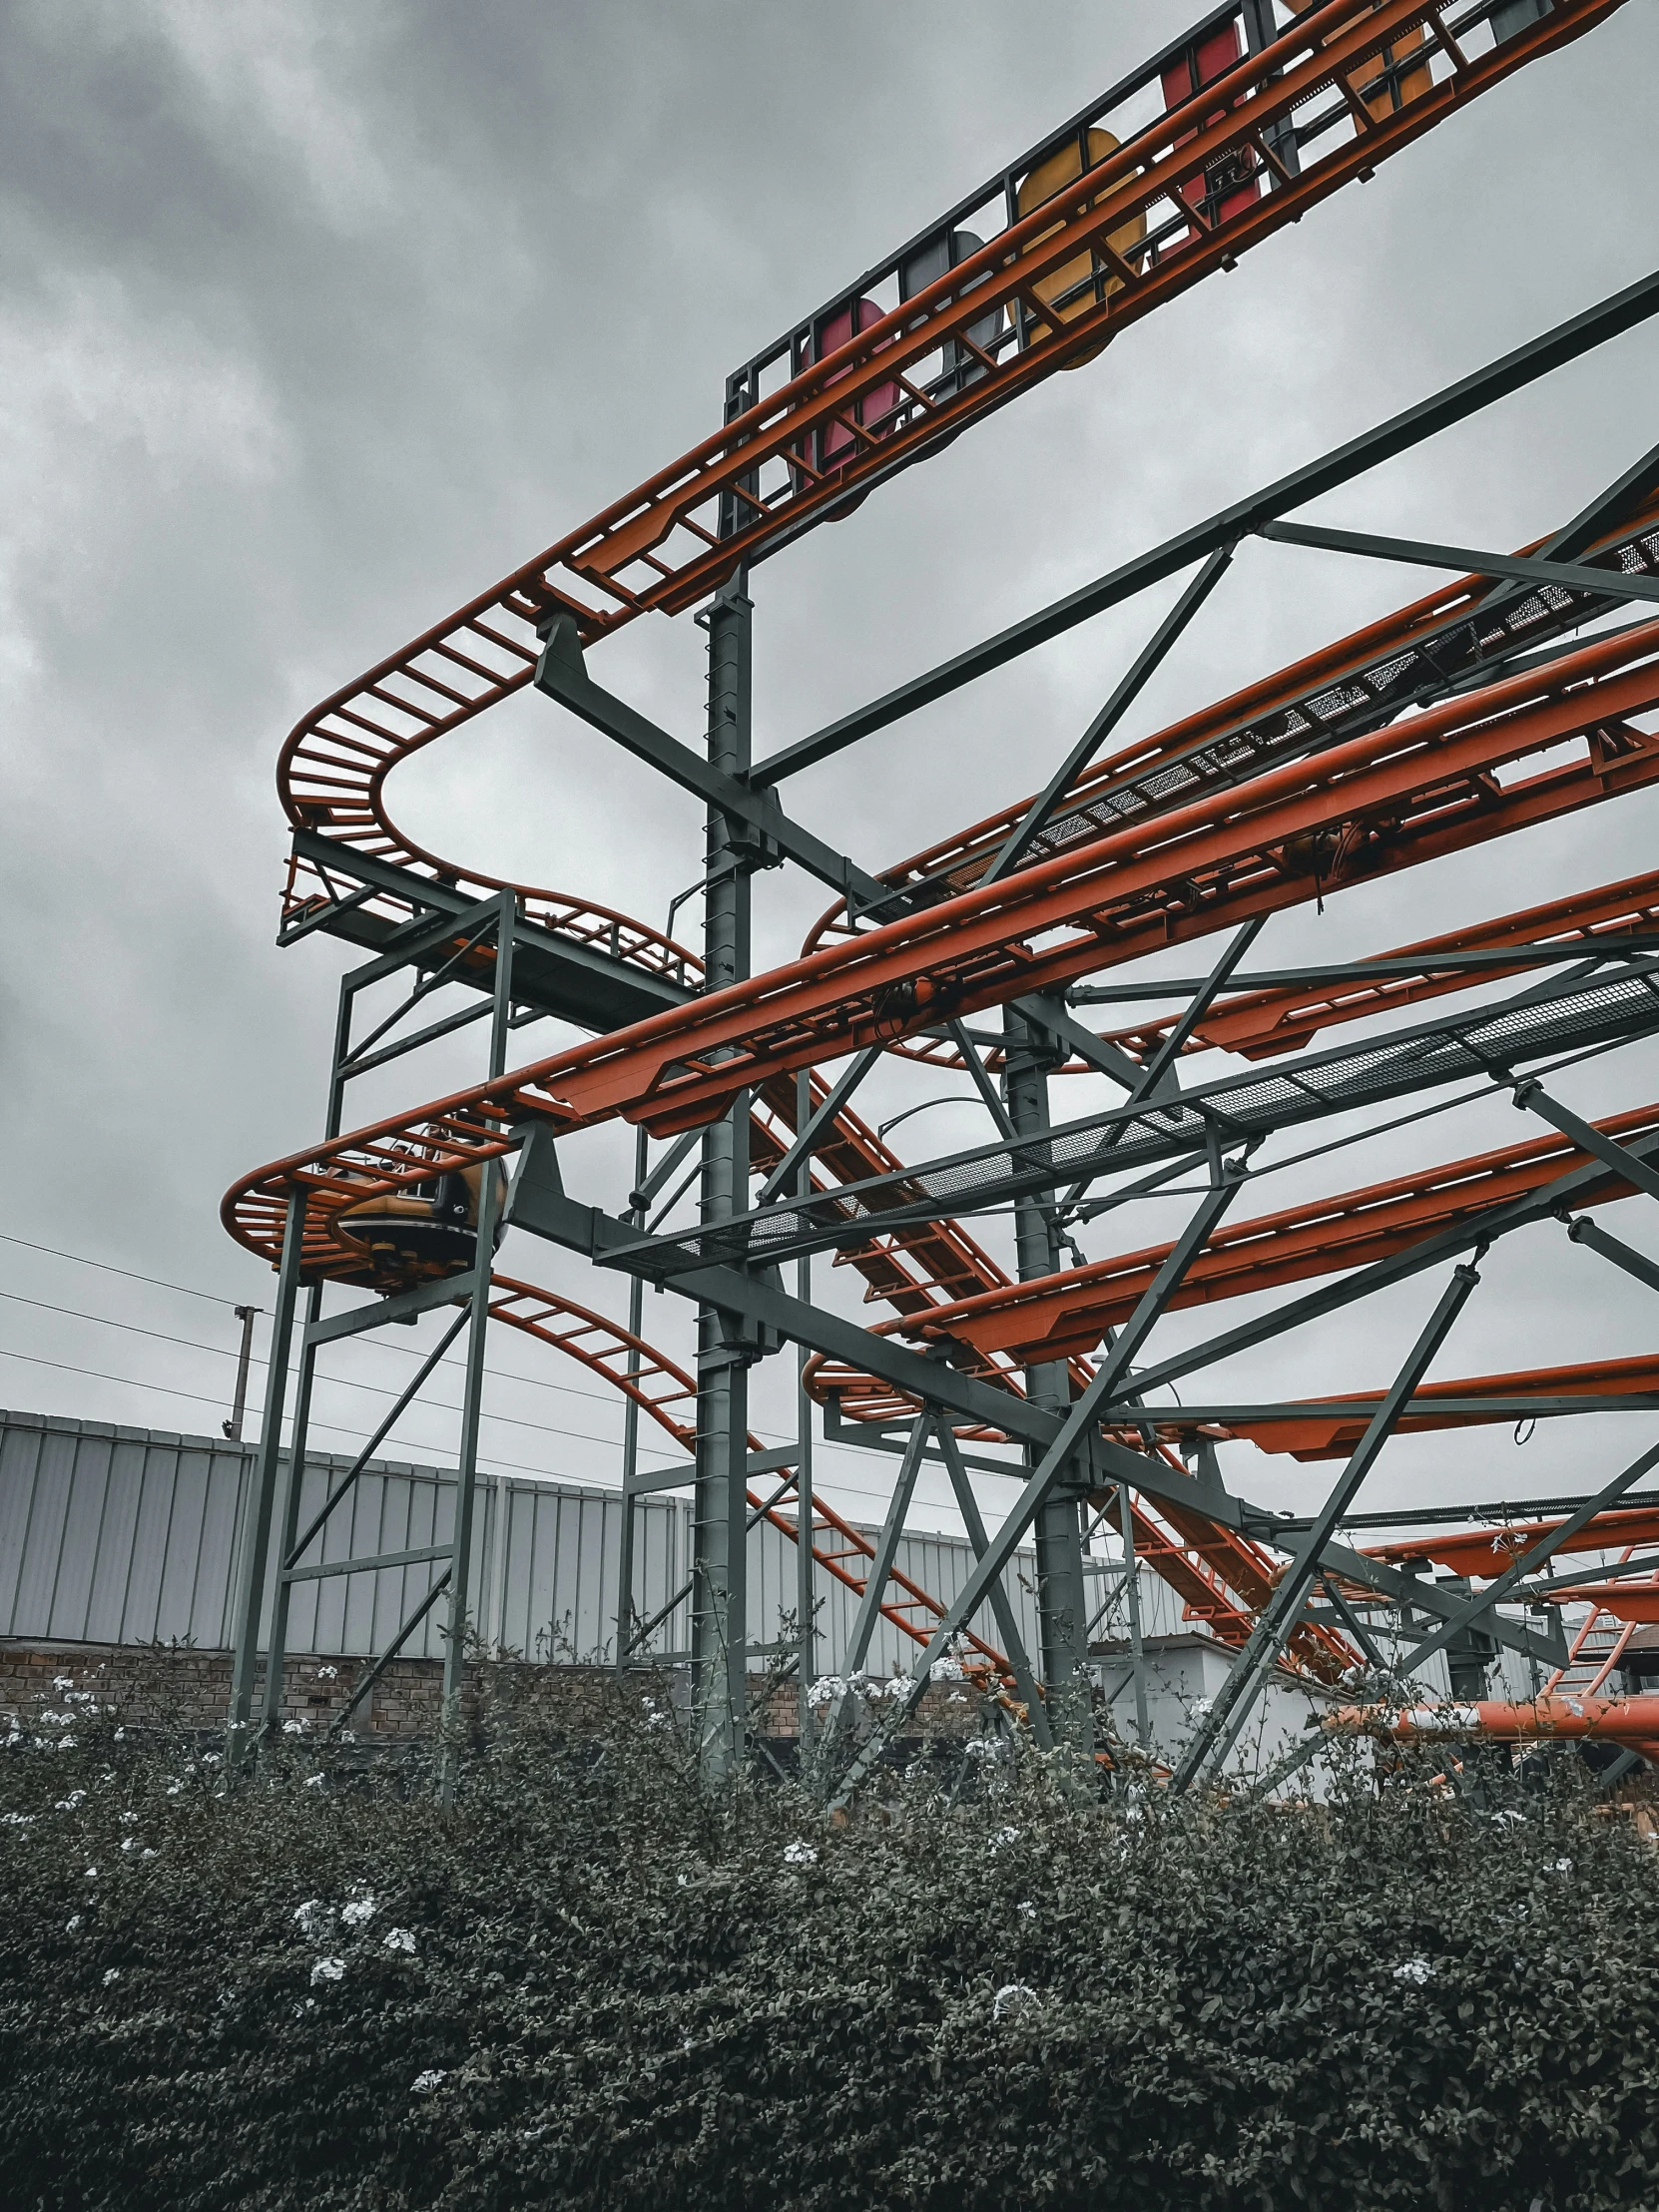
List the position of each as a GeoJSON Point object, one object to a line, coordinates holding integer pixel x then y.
{"type": "Point", "coordinates": [130, 1535]}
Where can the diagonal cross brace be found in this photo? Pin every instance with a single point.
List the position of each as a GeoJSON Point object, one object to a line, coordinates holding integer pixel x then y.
{"type": "Point", "coordinates": [1220, 1726]}
{"type": "Point", "coordinates": [1070, 1437]}
{"type": "Point", "coordinates": [561, 674]}
{"type": "Point", "coordinates": [1532, 1560]}
{"type": "Point", "coordinates": [1611, 583]}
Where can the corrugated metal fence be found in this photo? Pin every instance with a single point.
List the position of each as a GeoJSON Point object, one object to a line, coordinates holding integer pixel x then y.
{"type": "Point", "coordinates": [127, 1535]}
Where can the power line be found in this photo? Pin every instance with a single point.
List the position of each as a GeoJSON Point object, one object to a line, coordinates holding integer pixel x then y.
{"type": "Point", "coordinates": [505, 1375]}
{"type": "Point", "coordinates": [577, 1434]}
{"type": "Point", "coordinates": [398, 1351]}
{"type": "Point", "coordinates": [82, 1260]}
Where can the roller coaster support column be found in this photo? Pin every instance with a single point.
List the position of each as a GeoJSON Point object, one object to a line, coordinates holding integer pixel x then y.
{"type": "Point", "coordinates": [256, 1535]}
{"type": "Point", "coordinates": [1061, 1598]}
{"type": "Point", "coordinates": [719, 1512]}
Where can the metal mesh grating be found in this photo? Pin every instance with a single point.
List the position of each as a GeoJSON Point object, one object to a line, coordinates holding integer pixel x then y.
{"type": "Point", "coordinates": [1573, 1015]}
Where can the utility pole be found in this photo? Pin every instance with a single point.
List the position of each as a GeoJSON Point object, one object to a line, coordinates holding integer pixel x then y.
{"type": "Point", "coordinates": [233, 1426]}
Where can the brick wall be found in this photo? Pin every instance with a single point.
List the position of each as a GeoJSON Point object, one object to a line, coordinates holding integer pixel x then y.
{"type": "Point", "coordinates": [181, 1686]}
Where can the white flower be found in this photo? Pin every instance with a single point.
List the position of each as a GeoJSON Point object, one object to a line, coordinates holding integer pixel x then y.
{"type": "Point", "coordinates": [1560, 1866]}
{"type": "Point", "coordinates": [129, 1843]}
{"type": "Point", "coordinates": [400, 1938]}
{"type": "Point", "coordinates": [1003, 1835]}
{"type": "Point", "coordinates": [329, 1969]}
{"type": "Point", "coordinates": [946, 1670]}
{"type": "Point", "coordinates": [313, 1781]}
{"type": "Point", "coordinates": [896, 1685]}
{"type": "Point", "coordinates": [66, 1743]}
{"type": "Point", "coordinates": [424, 2083]}
{"type": "Point", "coordinates": [147, 1852]}
{"type": "Point", "coordinates": [68, 1803]}
{"type": "Point", "coordinates": [128, 1819]}
{"type": "Point", "coordinates": [113, 1975]}
{"type": "Point", "coordinates": [1027, 1910]}
{"type": "Point", "coordinates": [1419, 1971]}
{"type": "Point", "coordinates": [55, 1720]}
{"type": "Point", "coordinates": [121, 1735]}
{"type": "Point", "coordinates": [984, 1746]}
{"type": "Point", "coordinates": [327, 1673]}
{"type": "Point", "coordinates": [955, 1697]}
{"type": "Point", "coordinates": [1203, 1705]}
{"type": "Point", "coordinates": [174, 1788]}
{"type": "Point", "coordinates": [359, 1909]}
{"type": "Point", "coordinates": [800, 1855]}
{"type": "Point", "coordinates": [1501, 1820]}
{"type": "Point", "coordinates": [63, 1682]}
{"type": "Point", "coordinates": [212, 1758]}
{"type": "Point", "coordinates": [294, 1727]}
{"type": "Point", "coordinates": [313, 1917]}
{"type": "Point", "coordinates": [72, 1924]}
{"type": "Point", "coordinates": [92, 1873]}
{"type": "Point", "coordinates": [1013, 1997]}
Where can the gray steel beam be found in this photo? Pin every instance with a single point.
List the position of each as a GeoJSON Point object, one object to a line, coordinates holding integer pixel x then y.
{"type": "Point", "coordinates": [1056, 1459]}
{"type": "Point", "coordinates": [538, 1203]}
{"type": "Point", "coordinates": [1062, 1601]}
{"type": "Point", "coordinates": [1464, 560]}
{"type": "Point", "coordinates": [562, 673]}
{"type": "Point", "coordinates": [720, 1615]}
{"type": "Point", "coordinates": [1614, 1248]}
{"type": "Point", "coordinates": [1139, 674]}
{"type": "Point", "coordinates": [557, 975]}
{"type": "Point", "coordinates": [1218, 1728]}
{"type": "Point", "coordinates": [1344, 973]}
{"type": "Point", "coordinates": [1482, 1603]}
{"type": "Point", "coordinates": [799, 1153]}
{"type": "Point", "coordinates": [1580, 334]}
{"type": "Point", "coordinates": [1482, 1229]}
{"type": "Point", "coordinates": [256, 1533]}
{"type": "Point", "coordinates": [1007, 1624]}
{"type": "Point", "coordinates": [886, 1549]}
{"type": "Point", "coordinates": [1532, 1098]}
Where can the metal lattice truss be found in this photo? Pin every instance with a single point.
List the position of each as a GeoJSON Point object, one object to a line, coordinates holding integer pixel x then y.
{"type": "Point", "coordinates": [1520, 690]}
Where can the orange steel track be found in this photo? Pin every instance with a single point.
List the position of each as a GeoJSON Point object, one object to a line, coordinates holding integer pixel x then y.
{"type": "Point", "coordinates": [660, 545]}
{"type": "Point", "coordinates": [1104, 894]}
{"type": "Point", "coordinates": [660, 1384]}
{"type": "Point", "coordinates": [1063, 1316]}
{"type": "Point", "coordinates": [1438, 783]}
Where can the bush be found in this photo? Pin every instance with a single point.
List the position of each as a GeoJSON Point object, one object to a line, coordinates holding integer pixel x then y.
{"type": "Point", "coordinates": [594, 1984]}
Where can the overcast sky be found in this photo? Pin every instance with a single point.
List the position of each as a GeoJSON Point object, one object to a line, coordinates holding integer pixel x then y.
{"type": "Point", "coordinates": [317, 318]}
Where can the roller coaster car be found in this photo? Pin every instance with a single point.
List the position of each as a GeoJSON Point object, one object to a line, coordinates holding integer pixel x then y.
{"type": "Point", "coordinates": [417, 1236]}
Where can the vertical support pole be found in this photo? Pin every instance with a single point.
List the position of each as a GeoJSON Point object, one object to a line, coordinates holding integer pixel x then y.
{"type": "Point", "coordinates": [1062, 1600]}
{"type": "Point", "coordinates": [294, 1475]}
{"type": "Point", "coordinates": [287, 1524]}
{"type": "Point", "coordinates": [805, 1592]}
{"type": "Point", "coordinates": [719, 1510]}
{"type": "Point", "coordinates": [472, 1395]}
{"type": "Point", "coordinates": [631, 1428]}
{"type": "Point", "coordinates": [257, 1532]}
{"type": "Point", "coordinates": [245, 1356]}
{"type": "Point", "coordinates": [1132, 1605]}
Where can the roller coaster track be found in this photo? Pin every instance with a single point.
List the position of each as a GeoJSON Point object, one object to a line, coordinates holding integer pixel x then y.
{"type": "Point", "coordinates": [658, 1386]}
{"type": "Point", "coordinates": [1466, 716]}
{"type": "Point", "coordinates": [1236, 155]}
{"type": "Point", "coordinates": [1442, 780]}
{"type": "Point", "coordinates": [1065, 1316]}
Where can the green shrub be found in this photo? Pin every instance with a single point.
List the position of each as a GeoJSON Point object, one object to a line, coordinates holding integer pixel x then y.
{"type": "Point", "coordinates": [594, 1984]}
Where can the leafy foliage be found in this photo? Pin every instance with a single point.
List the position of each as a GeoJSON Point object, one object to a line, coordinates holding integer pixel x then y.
{"type": "Point", "coordinates": [594, 1983]}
